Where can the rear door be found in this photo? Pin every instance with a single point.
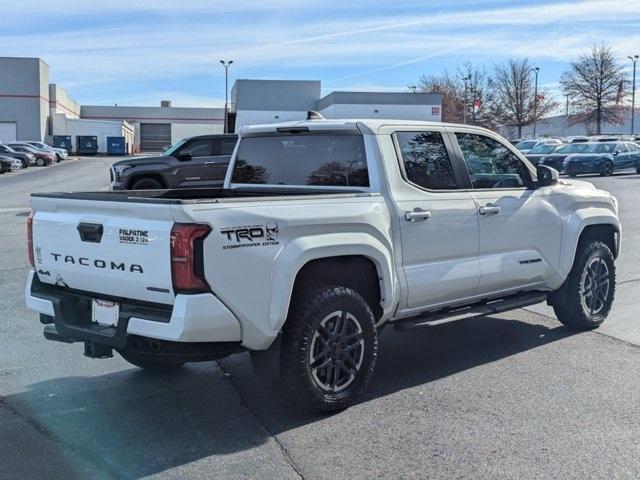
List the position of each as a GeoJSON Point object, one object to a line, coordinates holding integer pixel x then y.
{"type": "Point", "coordinates": [438, 220]}
{"type": "Point", "coordinates": [117, 249]}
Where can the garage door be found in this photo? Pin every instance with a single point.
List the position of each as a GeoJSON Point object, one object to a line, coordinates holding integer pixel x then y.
{"type": "Point", "coordinates": [8, 132]}
{"type": "Point", "coordinates": [154, 136]}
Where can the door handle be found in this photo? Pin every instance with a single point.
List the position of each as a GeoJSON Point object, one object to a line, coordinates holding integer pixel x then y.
{"type": "Point", "coordinates": [489, 210]}
{"type": "Point", "coordinates": [417, 214]}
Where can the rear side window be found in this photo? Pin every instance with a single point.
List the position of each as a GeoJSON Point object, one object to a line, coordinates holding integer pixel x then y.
{"type": "Point", "coordinates": [317, 160]}
{"type": "Point", "coordinates": [426, 161]}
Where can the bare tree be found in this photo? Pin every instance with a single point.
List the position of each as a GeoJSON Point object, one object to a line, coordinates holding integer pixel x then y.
{"type": "Point", "coordinates": [514, 95]}
{"type": "Point", "coordinates": [448, 86]}
{"type": "Point", "coordinates": [595, 83]}
{"type": "Point", "coordinates": [466, 95]}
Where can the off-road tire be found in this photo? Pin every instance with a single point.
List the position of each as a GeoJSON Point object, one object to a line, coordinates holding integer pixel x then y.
{"type": "Point", "coordinates": [147, 183]}
{"type": "Point", "coordinates": [149, 362]}
{"type": "Point", "coordinates": [303, 324]}
{"type": "Point", "coordinates": [575, 313]}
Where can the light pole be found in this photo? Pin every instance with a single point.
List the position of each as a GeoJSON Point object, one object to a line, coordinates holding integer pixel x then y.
{"type": "Point", "coordinates": [535, 101]}
{"type": "Point", "coordinates": [226, 66]}
{"type": "Point", "coordinates": [566, 115]}
{"type": "Point", "coordinates": [634, 59]}
{"type": "Point", "coordinates": [466, 79]}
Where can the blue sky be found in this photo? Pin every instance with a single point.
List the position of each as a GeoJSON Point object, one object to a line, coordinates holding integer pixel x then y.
{"type": "Point", "coordinates": [139, 52]}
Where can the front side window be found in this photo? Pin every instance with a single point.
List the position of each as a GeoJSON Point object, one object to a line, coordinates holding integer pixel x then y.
{"type": "Point", "coordinates": [490, 163]}
{"type": "Point", "coordinates": [326, 160]}
{"type": "Point", "coordinates": [426, 161]}
{"type": "Point", "coordinates": [224, 146]}
{"type": "Point", "coordinates": [602, 147]}
{"type": "Point", "coordinates": [197, 148]}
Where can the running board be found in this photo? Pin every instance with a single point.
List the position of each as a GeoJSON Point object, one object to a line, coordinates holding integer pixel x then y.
{"type": "Point", "coordinates": [476, 310]}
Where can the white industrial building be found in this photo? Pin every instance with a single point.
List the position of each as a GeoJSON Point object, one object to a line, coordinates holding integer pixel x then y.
{"type": "Point", "coordinates": [33, 109]}
{"type": "Point", "coordinates": [271, 101]}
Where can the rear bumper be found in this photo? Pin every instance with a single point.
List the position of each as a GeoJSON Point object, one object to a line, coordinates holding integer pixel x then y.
{"type": "Point", "coordinates": [199, 318]}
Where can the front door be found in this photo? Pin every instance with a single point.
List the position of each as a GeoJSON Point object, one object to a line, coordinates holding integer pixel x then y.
{"type": "Point", "coordinates": [438, 222]}
{"type": "Point", "coordinates": [196, 168]}
{"type": "Point", "coordinates": [520, 228]}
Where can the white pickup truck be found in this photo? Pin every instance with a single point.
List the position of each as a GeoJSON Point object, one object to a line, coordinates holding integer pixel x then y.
{"type": "Point", "coordinates": [324, 232]}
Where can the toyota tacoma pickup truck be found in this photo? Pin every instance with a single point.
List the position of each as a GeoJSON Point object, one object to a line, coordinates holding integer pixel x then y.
{"type": "Point", "coordinates": [323, 232]}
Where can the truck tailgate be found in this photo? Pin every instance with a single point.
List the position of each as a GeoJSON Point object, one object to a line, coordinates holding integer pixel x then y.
{"type": "Point", "coordinates": [115, 249]}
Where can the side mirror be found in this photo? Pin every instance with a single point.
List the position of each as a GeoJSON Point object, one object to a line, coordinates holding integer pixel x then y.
{"type": "Point", "coordinates": [546, 176]}
{"type": "Point", "coordinates": [184, 157]}
{"type": "Point", "coordinates": [615, 153]}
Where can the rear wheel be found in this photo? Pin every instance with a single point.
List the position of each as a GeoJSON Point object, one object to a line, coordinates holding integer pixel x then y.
{"type": "Point", "coordinates": [606, 169]}
{"type": "Point", "coordinates": [590, 287]}
{"type": "Point", "coordinates": [329, 348]}
{"type": "Point", "coordinates": [149, 362]}
{"type": "Point", "coordinates": [147, 183]}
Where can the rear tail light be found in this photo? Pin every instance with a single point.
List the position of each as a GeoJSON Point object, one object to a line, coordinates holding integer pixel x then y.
{"type": "Point", "coordinates": [30, 238]}
{"type": "Point", "coordinates": [187, 263]}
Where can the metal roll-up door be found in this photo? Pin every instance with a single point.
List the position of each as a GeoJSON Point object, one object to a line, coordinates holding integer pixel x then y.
{"type": "Point", "coordinates": [8, 132]}
{"type": "Point", "coordinates": [154, 136]}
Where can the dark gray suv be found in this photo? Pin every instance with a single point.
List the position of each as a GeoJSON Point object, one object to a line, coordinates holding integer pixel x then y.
{"type": "Point", "coordinates": [195, 162]}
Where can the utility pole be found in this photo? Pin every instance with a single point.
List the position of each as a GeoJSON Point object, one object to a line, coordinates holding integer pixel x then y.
{"type": "Point", "coordinates": [466, 79]}
{"type": "Point", "coordinates": [566, 115]}
{"type": "Point", "coordinates": [634, 59]}
{"type": "Point", "coordinates": [226, 66]}
{"type": "Point", "coordinates": [536, 70]}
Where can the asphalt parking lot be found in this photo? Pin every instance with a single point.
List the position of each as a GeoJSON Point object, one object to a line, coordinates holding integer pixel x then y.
{"type": "Point", "coordinates": [511, 396]}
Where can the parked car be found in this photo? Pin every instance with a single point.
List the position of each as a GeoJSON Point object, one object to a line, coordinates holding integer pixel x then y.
{"type": "Point", "coordinates": [60, 153]}
{"type": "Point", "coordinates": [26, 158]}
{"type": "Point", "coordinates": [5, 164]}
{"type": "Point", "coordinates": [603, 158]}
{"type": "Point", "coordinates": [526, 145]}
{"type": "Point", "coordinates": [194, 162]}
{"type": "Point", "coordinates": [555, 159]}
{"type": "Point", "coordinates": [43, 157]}
{"type": "Point", "coordinates": [323, 232]}
{"type": "Point", "coordinates": [536, 153]}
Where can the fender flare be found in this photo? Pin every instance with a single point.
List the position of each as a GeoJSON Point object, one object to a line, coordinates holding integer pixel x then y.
{"type": "Point", "coordinates": [305, 249]}
{"type": "Point", "coordinates": [575, 225]}
{"type": "Point", "coordinates": [153, 169]}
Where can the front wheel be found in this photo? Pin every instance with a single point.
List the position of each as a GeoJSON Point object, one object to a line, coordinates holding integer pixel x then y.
{"type": "Point", "coordinates": [40, 162]}
{"type": "Point", "coordinates": [146, 183]}
{"type": "Point", "coordinates": [329, 348]}
{"type": "Point", "coordinates": [590, 287]}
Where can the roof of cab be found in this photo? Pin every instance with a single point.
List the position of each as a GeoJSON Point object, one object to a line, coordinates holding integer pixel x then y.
{"type": "Point", "coordinates": [345, 124]}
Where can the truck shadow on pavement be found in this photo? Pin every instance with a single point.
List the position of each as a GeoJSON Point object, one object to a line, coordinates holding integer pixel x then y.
{"type": "Point", "coordinates": [133, 423]}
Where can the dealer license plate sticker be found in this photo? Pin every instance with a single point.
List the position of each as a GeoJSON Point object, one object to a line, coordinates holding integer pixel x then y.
{"type": "Point", "coordinates": [104, 312]}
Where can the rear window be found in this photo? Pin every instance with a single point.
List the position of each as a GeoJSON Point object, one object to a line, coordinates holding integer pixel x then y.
{"type": "Point", "coordinates": [319, 160]}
